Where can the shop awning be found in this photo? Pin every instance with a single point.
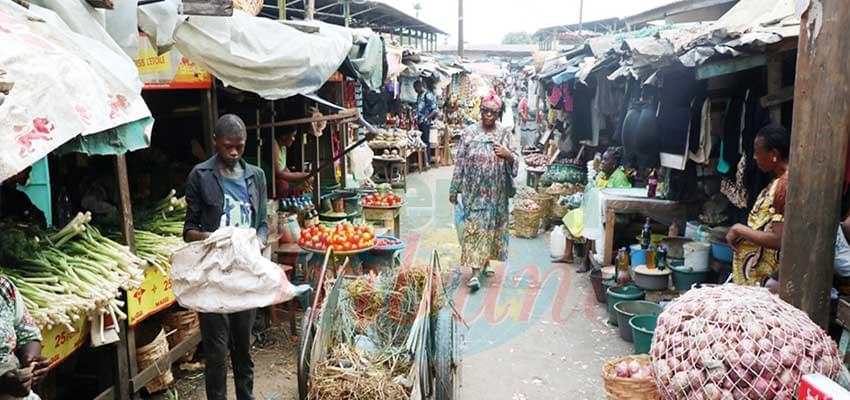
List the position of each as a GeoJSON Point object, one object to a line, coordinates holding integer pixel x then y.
{"type": "Point", "coordinates": [63, 85]}
{"type": "Point", "coordinates": [264, 56]}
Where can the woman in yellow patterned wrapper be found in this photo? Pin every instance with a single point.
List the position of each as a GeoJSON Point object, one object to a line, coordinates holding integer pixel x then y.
{"type": "Point", "coordinates": [757, 243]}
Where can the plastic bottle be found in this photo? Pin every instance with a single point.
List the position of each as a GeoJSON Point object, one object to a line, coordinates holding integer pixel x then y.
{"type": "Point", "coordinates": [650, 257]}
{"type": "Point", "coordinates": [646, 235]}
{"type": "Point", "coordinates": [622, 268]}
{"type": "Point", "coordinates": [652, 184]}
{"type": "Point", "coordinates": [661, 258]}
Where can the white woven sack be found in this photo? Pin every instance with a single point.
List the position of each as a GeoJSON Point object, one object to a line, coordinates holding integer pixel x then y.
{"type": "Point", "coordinates": [226, 273]}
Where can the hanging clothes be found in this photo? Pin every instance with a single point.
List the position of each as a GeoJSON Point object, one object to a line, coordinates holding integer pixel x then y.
{"type": "Point", "coordinates": [701, 155]}
{"type": "Point", "coordinates": [735, 191]}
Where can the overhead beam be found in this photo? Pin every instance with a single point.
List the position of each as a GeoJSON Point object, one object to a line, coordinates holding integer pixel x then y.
{"type": "Point", "coordinates": [107, 4]}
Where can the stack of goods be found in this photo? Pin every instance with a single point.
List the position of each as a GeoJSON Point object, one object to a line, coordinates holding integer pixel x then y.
{"type": "Point", "coordinates": [536, 161]}
{"type": "Point", "coordinates": [164, 217]}
{"type": "Point", "coordinates": [389, 138]}
{"type": "Point", "coordinates": [375, 339]}
{"type": "Point", "coordinates": [563, 173]}
{"type": "Point", "coordinates": [524, 192]}
{"type": "Point", "coordinates": [559, 191]}
{"type": "Point", "coordinates": [737, 342]}
{"type": "Point", "coordinates": [69, 274]}
{"type": "Point", "coordinates": [629, 377]}
{"type": "Point", "coordinates": [382, 200]}
{"type": "Point", "coordinates": [526, 218]}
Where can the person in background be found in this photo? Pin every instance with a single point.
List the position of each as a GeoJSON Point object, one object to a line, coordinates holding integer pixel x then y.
{"type": "Point", "coordinates": [227, 191]}
{"type": "Point", "coordinates": [757, 243]}
{"type": "Point", "coordinates": [285, 180]}
{"type": "Point", "coordinates": [484, 164]}
{"type": "Point", "coordinates": [426, 112]}
{"type": "Point", "coordinates": [612, 174]}
{"type": "Point", "coordinates": [20, 347]}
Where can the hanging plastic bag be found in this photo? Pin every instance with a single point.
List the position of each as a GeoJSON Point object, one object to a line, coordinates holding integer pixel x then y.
{"type": "Point", "coordinates": [459, 215]}
{"type": "Point", "coordinates": [226, 273]}
{"type": "Point", "coordinates": [122, 24]}
{"type": "Point", "coordinates": [361, 162]}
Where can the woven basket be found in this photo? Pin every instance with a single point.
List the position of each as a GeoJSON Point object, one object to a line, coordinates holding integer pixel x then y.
{"type": "Point", "coordinates": [185, 324]}
{"type": "Point", "coordinates": [251, 7]}
{"type": "Point", "coordinates": [545, 202]}
{"type": "Point", "coordinates": [526, 223]}
{"type": "Point", "coordinates": [147, 355]}
{"type": "Point", "coordinates": [559, 211]}
{"type": "Point", "coordinates": [627, 388]}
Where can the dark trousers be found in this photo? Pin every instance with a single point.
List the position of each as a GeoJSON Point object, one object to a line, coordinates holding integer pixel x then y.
{"type": "Point", "coordinates": [426, 137]}
{"type": "Point", "coordinates": [221, 333]}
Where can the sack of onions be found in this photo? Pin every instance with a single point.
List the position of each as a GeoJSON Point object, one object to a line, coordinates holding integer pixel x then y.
{"type": "Point", "coordinates": [737, 342]}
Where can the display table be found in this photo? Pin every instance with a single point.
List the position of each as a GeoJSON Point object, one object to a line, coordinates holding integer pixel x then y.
{"type": "Point", "coordinates": [388, 217]}
{"type": "Point", "coordinates": [389, 165]}
{"type": "Point", "coordinates": [607, 203]}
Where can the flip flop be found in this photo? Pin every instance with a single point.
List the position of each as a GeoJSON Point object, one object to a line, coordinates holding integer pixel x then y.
{"type": "Point", "coordinates": [473, 284]}
{"type": "Point", "coordinates": [489, 272]}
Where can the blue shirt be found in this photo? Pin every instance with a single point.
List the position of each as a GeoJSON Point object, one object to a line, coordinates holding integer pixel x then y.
{"type": "Point", "coordinates": [426, 103]}
{"type": "Point", "coordinates": [237, 202]}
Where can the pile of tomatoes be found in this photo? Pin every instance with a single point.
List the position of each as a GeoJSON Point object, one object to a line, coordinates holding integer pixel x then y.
{"type": "Point", "coordinates": [388, 199]}
{"type": "Point", "coordinates": [343, 237]}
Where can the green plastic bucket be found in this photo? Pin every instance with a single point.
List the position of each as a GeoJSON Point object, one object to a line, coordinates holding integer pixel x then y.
{"type": "Point", "coordinates": [618, 294]}
{"type": "Point", "coordinates": [628, 309]}
{"type": "Point", "coordinates": [643, 327]}
{"type": "Point", "coordinates": [684, 278]}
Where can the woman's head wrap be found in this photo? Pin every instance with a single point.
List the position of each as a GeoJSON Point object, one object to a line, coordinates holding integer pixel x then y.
{"type": "Point", "coordinates": [492, 99]}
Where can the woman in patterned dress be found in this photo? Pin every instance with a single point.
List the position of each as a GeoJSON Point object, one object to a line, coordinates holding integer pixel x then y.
{"type": "Point", "coordinates": [484, 164]}
{"type": "Point", "coordinates": [21, 363]}
{"type": "Point", "coordinates": [757, 243]}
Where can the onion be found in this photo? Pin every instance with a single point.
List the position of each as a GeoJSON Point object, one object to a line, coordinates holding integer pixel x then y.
{"type": "Point", "coordinates": [761, 385]}
{"type": "Point", "coordinates": [788, 355]}
{"type": "Point", "coordinates": [681, 382]}
{"type": "Point", "coordinates": [712, 391]}
{"type": "Point", "coordinates": [647, 371]}
{"type": "Point", "coordinates": [748, 359]}
{"type": "Point", "coordinates": [770, 362]}
{"type": "Point", "coordinates": [755, 330]}
{"type": "Point", "coordinates": [638, 376]}
{"type": "Point", "coordinates": [817, 349]}
{"type": "Point", "coordinates": [726, 395]}
{"type": "Point", "coordinates": [806, 366]}
{"type": "Point", "coordinates": [623, 370]}
{"type": "Point", "coordinates": [732, 358]}
{"type": "Point", "coordinates": [787, 379]}
{"type": "Point", "coordinates": [746, 345]}
{"type": "Point", "coordinates": [664, 372]}
{"type": "Point", "coordinates": [703, 341]}
{"type": "Point", "coordinates": [634, 366]}
{"type": "Point", "coordinates": [717, 375]}
{"type": "Point", "coordinates": [738, 375]}
{"type": "Point", "coordinates": [765, 344]}
{"type": "Point", "coordinates": [783, 394]}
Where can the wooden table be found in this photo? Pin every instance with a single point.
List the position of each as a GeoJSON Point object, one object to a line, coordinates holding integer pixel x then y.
{"type": "Point", "coordinates": [388, 163]}
{"type": "Point", "coordinates": [388, 217]}
{"type": "Point", "coordinates": [615, 204]}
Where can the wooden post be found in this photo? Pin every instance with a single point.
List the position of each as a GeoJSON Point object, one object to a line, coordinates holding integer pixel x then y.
{"type": "Point", "coordinates": [281, 9]}
{"type": "Point", "coordinates": [460, 28]}
{"type": "Point", "coordinates": [774, 84]}
{"type": "Point", "coordinates": [309, 9]}
{"type": "Point", "coordinates": [818, 152]}
{"type": "Point", "coordinates": [124, 359]}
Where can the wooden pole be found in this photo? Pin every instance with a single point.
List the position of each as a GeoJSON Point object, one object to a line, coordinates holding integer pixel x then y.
{"type": "Point", "coordinates": [347, 12]}
{"type": "Point", "coordinates": [125, 359]}
{"type": "Point", "coordinates": [281, 9]}
{"type": "Point", "coordinates": [460, 28]}
{"type": "Point", "coordinates": [818, 153]}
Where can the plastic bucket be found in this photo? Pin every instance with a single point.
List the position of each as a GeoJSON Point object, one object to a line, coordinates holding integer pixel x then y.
{"type": "Point", "coordinates": [697, 255]}
{"type": "Point", "coordinates": [638, 255]}
{"type": "Point", "coordinates": [691, 229]}
{"type": "Point", "coordinates": [721, 252]}
{"type": "Point", "coordinates": [628, 309]}
{"type": "Point", "coordinates": [600, 285]}
{"type": "Point", "coordinates": [618, 294]}
{"type": "Point", "coordinates": [643, 327]}
{"type": "Point", "coordinates": [684, 278]}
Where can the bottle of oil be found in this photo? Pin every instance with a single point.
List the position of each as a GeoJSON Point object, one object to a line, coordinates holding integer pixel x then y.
{"type": "Point", "coordinates": [622, 267]}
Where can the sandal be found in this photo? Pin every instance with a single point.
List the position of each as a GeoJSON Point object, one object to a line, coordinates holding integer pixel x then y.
{"type": "Point", "coordinates": [489, 273]}
{"type": "Point", "coordinates": [473, 284]}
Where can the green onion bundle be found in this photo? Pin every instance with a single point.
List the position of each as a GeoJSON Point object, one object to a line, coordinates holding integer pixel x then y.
{"type": "Point", "coordinates": [75, 273]}
{"type": "Point", "coordinates": [164, 217]}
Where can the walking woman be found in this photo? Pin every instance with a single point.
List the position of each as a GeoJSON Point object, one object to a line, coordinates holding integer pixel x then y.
{"type": "Point", "coordinates": [485, 164]}
{"type": "Point", "coordinates": [757, 243]}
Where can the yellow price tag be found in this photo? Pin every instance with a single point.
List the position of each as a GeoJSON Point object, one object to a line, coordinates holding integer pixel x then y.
{"type": "Point", "coordinates": [59, 342]}
{"type": "Point", "coordinates": [153, 296]}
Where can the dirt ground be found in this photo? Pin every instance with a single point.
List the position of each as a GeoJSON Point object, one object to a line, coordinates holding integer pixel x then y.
{"type": "Point", "coordinates": [535, 329]}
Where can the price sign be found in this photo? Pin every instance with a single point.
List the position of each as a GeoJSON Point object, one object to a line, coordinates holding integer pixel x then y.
{"type": "Point", "coordinates": [60, 342]}
{"type": "Point", "coordinates": [153, 296]}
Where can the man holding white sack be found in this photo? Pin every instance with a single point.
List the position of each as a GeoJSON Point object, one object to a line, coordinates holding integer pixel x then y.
{"type": "Point", "coordinates": [227, 191]}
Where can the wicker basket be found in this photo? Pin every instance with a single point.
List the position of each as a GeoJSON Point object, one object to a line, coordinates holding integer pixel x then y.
{"type": "Point", "coordinates": [148, 354]}
{"type": "Point", "coordinates": [627, 388]}
{"type": "Point", "coordinates": [526, 223]}
{"type": "Point", "coordinates": [545, 202]}
{"type": "Point", "coordinates": [559, 211]}
{"type": "Point", "coordinates": [185, 324]}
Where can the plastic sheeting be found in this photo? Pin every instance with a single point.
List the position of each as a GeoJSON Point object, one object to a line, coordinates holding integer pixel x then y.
{"type": "Point", "coordinates": [159, 20]}
{"type": "Point", "coordinates": [263, 56]}
{"type": "Point", "coordinates": [65, 85]}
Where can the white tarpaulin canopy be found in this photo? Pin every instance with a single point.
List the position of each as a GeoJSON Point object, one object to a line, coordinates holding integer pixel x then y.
{"type": "Point", "coordinates": [262, 55]}
{"type": "Point", "coordinates": [63, 85]}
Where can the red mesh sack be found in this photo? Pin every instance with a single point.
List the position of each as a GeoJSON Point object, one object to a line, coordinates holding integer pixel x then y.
{"type": "Point", "coordinates": [735, 342]}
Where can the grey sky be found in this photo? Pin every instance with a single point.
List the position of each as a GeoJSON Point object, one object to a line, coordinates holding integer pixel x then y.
{"type": "Point", "coordinates": [487, 21]}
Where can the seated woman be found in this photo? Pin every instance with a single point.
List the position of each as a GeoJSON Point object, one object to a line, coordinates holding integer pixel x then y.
{"type": "Point", "coordinates": [21, 363]}
{"type": "Point", "coordinates": [757, 243]}
{"type": "Point", "coordinates": [286, 181]}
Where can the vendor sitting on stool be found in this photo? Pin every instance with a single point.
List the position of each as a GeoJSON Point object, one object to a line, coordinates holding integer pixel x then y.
{"type": "Point", "coordinates": [286, 181]}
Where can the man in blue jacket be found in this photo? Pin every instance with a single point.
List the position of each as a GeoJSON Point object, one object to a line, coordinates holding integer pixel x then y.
{"type": "Point", "coordinates": [227, 191]}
